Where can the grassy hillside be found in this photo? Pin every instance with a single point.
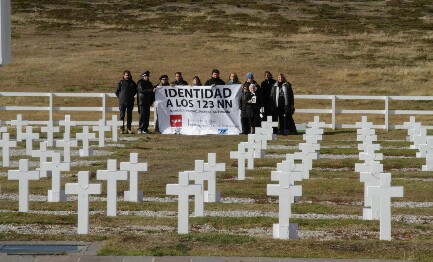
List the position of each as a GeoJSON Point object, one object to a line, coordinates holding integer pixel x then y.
{"type": "Point", "coordinates": [323, 47]}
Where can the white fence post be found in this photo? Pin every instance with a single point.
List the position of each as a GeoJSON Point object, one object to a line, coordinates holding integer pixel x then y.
{"type": "Point", "coordinates": [104, 105]}
{"type": "Point", "coordinates": [387, 113]}
{"type": "Point", "coordinates": [333, 112]}
{"type": "Point", "coordinates": [51, 107]}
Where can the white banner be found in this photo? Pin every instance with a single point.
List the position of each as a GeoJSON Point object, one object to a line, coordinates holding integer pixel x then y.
{"type": "Point", "coordinates": [198, 110]}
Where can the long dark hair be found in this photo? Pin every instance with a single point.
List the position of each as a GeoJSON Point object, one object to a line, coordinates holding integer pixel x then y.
{"type": "Point", "coordinates": [127, 72]}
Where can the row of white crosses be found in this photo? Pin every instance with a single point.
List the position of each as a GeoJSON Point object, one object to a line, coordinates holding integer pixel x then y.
{"type": "Point", "coordinates": [421, 141]}
{"type": "Point", "coordinates": [287, 173]}
{"type": "Point", "coordinates": [254, 147]}
{"type": "Point", "coordinates": [67, 142]}
{"type": "Point", "coordinates": [377, 185]}
{"type": "Point", "coordinates": [83, 189]}
{"type": "Point", "coordinates": [202, 172]}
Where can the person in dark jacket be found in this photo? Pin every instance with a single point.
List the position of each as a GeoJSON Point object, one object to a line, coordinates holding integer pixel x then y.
{"type": "Point", "coordinates": [178, 80]}
{"type": "Point", "coordinates": [253, 108]}
{"type": "Point", "coordinates": [196, 81]}
{"type": "Point", "coordinates": [125, 92]}
{"type": "Point", "coordinates": [145, 98]}
{"type": "Point", "coordinates": [283, 105]}
{"type": "Point", "coordinates": [215, 80]}
{"type": "Point", "coordinates": [265, 93]}
{"type": "Point", "coordinates": [243, 107]}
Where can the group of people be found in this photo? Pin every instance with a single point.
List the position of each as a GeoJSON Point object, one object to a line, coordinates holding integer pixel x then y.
{"type": "Point", "coordinates": [258, 101]}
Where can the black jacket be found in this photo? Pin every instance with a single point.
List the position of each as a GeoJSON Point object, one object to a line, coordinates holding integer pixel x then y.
{"type": "Point", "coordinates": [265, 93]}
{"type": "Point", "coordinates": [214, 81]}
{"type": "Point", "coordinates": [145, 95]}
{"type": "Point", "coordinates": [126, 90]}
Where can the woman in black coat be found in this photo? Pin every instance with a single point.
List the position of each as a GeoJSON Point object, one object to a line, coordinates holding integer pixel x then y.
{"type": "Point", "coordinates": [283, 105]}
{"type": "Point", "coordinates": [125, 92]}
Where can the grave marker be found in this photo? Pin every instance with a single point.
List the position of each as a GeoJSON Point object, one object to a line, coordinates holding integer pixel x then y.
{"type": "Point", "coordinates": [50, 129]}
{"type": "Point", "coordinates": [101, 128]}
{"type": "Point", "coordinates": [66, 143]}
{"type": "Point", "coordinates": [67, 123]}
{"type": "Point", "coordinates": [83, 189]}
{"type": "Point", "coordinates": [183, 190]}
{"type": "Point", "coordinates": [241, 155]}
{"type": "Point", "coordinates": [23, 175]}
{"type": "Point", "coordinates": [200, 176]}
{"type": "Point", "coordinates": [133, 167]}
{"type": "Point", "coordinates": [43, 154]}
{"type": "Point", "coordinates": [111, 175]}
{"type": "Point", "coordinates": [384, 192]}
{"type": "Point", "coordinates": [213, 166]}
{"type": "Point", "coordinates": [114, 124]}
{"type": "Point", "coordinates": [55, 167]}
{"type": "Point", "coordinates": [29, 136]}
{"type": "Point", "coordinates": [6, 144]}
{"type": "Point", "coordinates": [85, 137]}
{"type": "Point", "coordinates": [19, 123]}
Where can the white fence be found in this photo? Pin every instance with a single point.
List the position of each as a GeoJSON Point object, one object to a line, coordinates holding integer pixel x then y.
{"type": "Point", "coordinates": [332, 110]}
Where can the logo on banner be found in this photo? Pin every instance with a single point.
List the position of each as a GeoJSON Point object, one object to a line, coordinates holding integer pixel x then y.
{"type": "Point", "coordinates": [176, 120]}
{"type": "Point", "coordinates": [222, 131]}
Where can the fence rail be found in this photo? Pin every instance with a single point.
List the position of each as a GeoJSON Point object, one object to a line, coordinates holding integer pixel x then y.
{"type": "Point", "coordinates": [332, 110]}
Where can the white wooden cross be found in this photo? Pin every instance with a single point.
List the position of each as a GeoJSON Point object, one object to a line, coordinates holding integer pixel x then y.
{"type": "Point", "coordinates": [241, 155]}
{"type": "Point", "coordinates": [424, 149]}
{"type": "Point", "coordinates": [6, 144]}
{"type": "Point", "coordinates": [415, 131]}
{"type": "Point", "coordinates": [85, 138]}
{"type": "Point", "coordinates": [67, 123]}
{"type": "Point", "coordinates": [302, 167]}
{"type": "Point", "coordinates": [409, 125]}
{"type": "Point", "coordinates": [213, 166]}
{"type": "Point", "coordinates": [50, 129]}
{"type": "Point", "coordinates": [428, 155]}
{"type": "Point", "coordinates": [101, 128]}
{"type": "Point", "coordinates": [114, 124]}
{"type": "Point", "coordinates": [268, 128]}
{"type": "Point", "coordinates": [254, 144]}
{"type": "Point", "coordinates": [55, 167]}
{"type": "Point", "coordinates": [372, 178]}
{"type": "Point", "coordinates": [19, 123]}
{"type": "Point", "coordinates": [419, 139]}
{"type": "Point", "coordinates": [370, 154]}
{"type": "Point", "coordinates": [112, 175]}
{"type": "Point", "coordinates": [183, 190]}
{"type": "Point", "coordinates": [364, 147]}
{"type": "Point", "coordinates": [262, 137]}
{"type": "Point", "coordinates": [83, 189]}
{"type": "Point", "coordinates": [286, 191]}
{"type": "Point", "coordinates": [368, 167]}
{"type": "Point", "coordinates": [200, 176]}
{"type": "Point", "coordinates": [316, 124]}
{"type": "Point", "coordinates": [66, 143]}
{"type": "Point", "coordinates": [133, 167]}
{"type": "Point", "coordinates": [364, 124]}
{"type": "Point", "coordinates": [23, 175]}
{"type": "Point", "coordinates": [385, 191]}
{"type": "Point", "coordinates": [3, 127]}
{"type": "Point", "coordinates": [29, 136]}
{"type": "Point", "coordinates": [43, 154]}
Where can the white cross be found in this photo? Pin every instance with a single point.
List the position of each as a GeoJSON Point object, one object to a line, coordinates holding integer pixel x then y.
{"type": "Point", "coordinates": [371, 179]}
{"type": "Point", "coordinates": [428, 155]}
{"type": "Point", "coordinates": [66, 143]}
{"type": "Point", "coordinates": [426, 148]}
{"type": "Point", "coordinates": [67, 123]}
{"type": "Point", "coordinates": [55, 167]}
{"type": "Point", "coordinates": [290, 164]}
{"type": "Point", "coordinates": [6, 144]}
{"type": "Point", "coordinates": [415, 131]}
{"type": "Point", "coordinates": [183, 190]}
{"type": "Point", "coordinates": [316, 123]}
{"type": "Point", "coordinates": [370, 154]}
{"type": "Point", "coordinates": [23, 175]}
{"type": "Point", "coordinates": [114, 124]}
{"type": "Point", "coordinates": [101, 128]}
{"type": "Point", "coordinates": [19, 123]}
{"type": "Point", "coordinates": [83, 189]}
{"type": "Point", "coordinates": [112, 175]}
{"type": "Point", "coordinates": [50, 129]}
{"type": "Point", "coordinates": [85, 138]}
{"type": "Point", "coordinates": [251, 148]}
{"type": "Point", "coordinates": [384, 191]}
{"type": "Point", "coordinates": [409, 125]}
{"type": "Point", "coordinates": [419, 139]}
{"type": "Point", "coordinates": [133, 167]}
{"type": "Point", "coordinates": [262, 136]}
{"type": "Point", "coordinates": [364, 124]}
{"type": "Point", "coordinates": [200, 176]}
{"type": "Point", "coordinates": [241, 155]}
{"type": "Point", "coordinates": [365, 132]}
{"type": "Point", "coordinates": [213, 166]}
{"type": "Point", "coordinates": [29, 136]}
{"type": "Point", "coordinates": [3, 128]}
{"type": "Point", "coordinates": [285, 191]}
{"type": "Point", "coordinates": [43, 154]}
{"type": "Point", "coordinates": [374, 166]}
{"type": "Point", "coordinates": [256, 145]}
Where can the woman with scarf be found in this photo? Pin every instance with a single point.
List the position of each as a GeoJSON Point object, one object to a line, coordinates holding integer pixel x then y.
{"type": "Point", "coordinates": [283, 106]}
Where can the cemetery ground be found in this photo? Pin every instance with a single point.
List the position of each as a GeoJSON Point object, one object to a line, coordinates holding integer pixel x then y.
{"type": "Point", "coordinates": [329, 213]}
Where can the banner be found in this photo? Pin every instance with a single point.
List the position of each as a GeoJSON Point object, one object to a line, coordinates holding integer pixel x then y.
{"type": "Point", "coordinates": [198, 110]}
